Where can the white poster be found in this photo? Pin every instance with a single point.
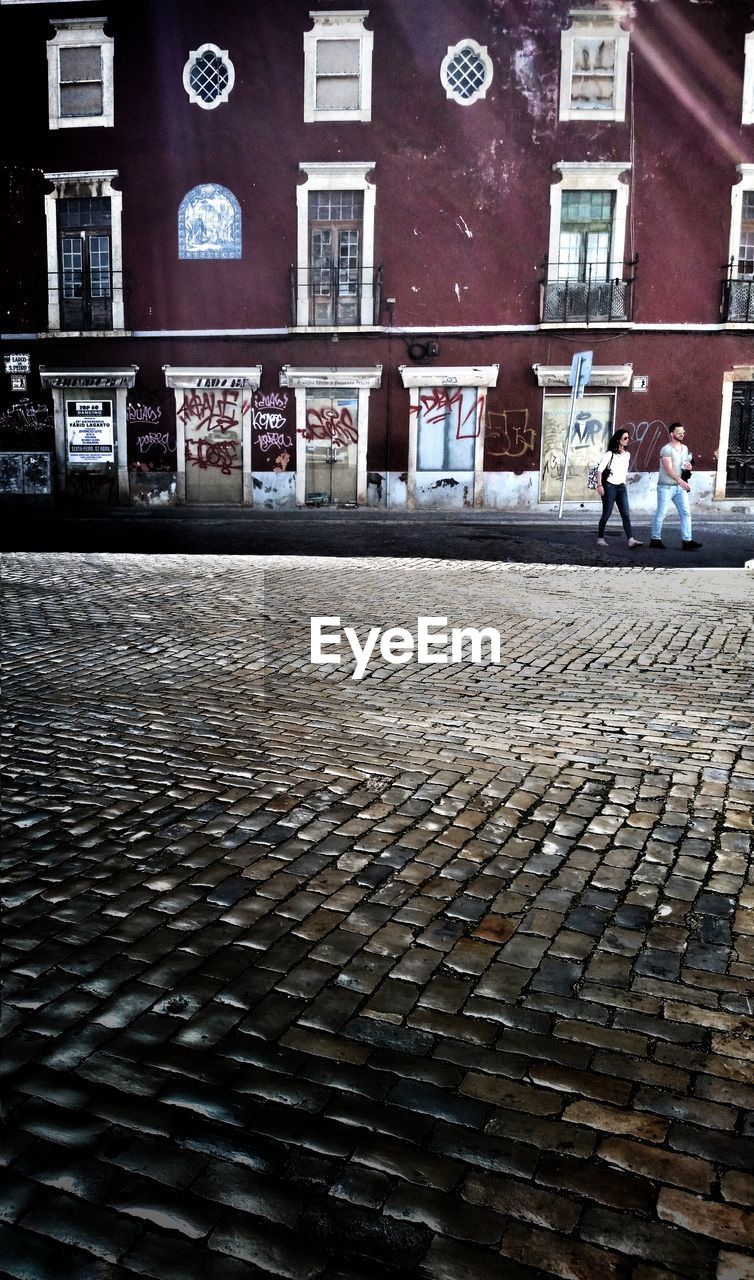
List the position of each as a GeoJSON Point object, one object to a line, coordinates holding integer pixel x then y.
{"type": "Point", "coordinates": [89, 431]}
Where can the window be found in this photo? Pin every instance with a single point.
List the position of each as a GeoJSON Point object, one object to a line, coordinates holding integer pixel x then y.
{"type": "Point", "coordinates": [208, 76]}
{"type": "Point", "coordinates": [336, 220]}
{"type": "Point", "coordinates": [335, 279]}
{"type": "Point", "coordinates": [747, 115]}
{"type": "Point", "coordinates": [338, 66]}
{"type": "Point", "coordinates": [80, 74]}
{"type": "Point", "coordinates": [593, 62]}
{"type": "Point", "coordinates": [466, 72]}
{"type": "Point", "coordinates": [739, 288]}
{"type": "Point", "coordinates": [84, 264]}
{"type": "Point", "coordinates": [585, 268]}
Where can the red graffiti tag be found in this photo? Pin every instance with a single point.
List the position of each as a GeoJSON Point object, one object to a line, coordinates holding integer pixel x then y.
{"type": "Point", "coordinates": [330, 424]}
{"type": "Point", "coordinates": [437, 404]}
{"type": "Point", "coordinates": [221, 454]}
{"type": "Point", "coordinates": [212, 411]}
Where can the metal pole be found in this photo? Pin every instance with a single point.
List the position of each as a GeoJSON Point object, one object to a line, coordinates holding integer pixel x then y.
{"type": "Point", "coordinates": [571, 416]}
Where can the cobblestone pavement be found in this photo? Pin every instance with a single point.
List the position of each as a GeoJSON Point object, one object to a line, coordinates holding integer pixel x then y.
{"type": "Point", "coordinates": [447, 973]}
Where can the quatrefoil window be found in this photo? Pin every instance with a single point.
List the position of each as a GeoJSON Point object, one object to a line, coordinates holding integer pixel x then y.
{"type": "Point", "coordinates": [466, 72]}
{"type": "Point", "coordinates": [208, 76]}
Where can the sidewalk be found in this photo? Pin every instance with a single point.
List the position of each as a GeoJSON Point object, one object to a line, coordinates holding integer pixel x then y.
{"type": "Point", "coordinates": [463, 535]}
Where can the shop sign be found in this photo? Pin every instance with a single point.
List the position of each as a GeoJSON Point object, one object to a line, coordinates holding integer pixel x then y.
{"type": "Point", "coordinates": [89, 431]}
{"type": "Point", "coordinates": [17, 362]}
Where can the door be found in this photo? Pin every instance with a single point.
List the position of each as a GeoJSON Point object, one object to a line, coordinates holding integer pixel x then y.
{"type": "Point", "coordinates": [213, 427]}
{"type": "Point", "coordinates": [331, 436]}
{"type": "Point", "coordinates": [335, 241]}
{"type": "Point", "coordinates": [85, 263]}
{"type": "Point", "coordinates": [448, 422]}
{"type": "Point", "coordinates": [739, 481]}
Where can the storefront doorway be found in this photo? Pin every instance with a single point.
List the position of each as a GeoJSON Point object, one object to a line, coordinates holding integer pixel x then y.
{"type": "Point", "coordinates": [331, 447]}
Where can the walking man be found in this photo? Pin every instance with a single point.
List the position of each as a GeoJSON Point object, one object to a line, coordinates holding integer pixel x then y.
{"type": "Point", "coordinates": [673, 486]}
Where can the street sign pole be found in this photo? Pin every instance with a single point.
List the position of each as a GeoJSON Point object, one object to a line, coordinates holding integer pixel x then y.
{"type": "Point", "coordinates": [581, 369]}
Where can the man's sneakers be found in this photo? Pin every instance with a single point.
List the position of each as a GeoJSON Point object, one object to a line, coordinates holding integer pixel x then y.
{"type": "Point", "coordinates": [691, 545]}
{"type": "Point", "coordinates": [657, 542]}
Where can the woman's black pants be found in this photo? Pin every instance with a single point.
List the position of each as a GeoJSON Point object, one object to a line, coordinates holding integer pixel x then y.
{"type": "Point", "coordinates": [615, 495]}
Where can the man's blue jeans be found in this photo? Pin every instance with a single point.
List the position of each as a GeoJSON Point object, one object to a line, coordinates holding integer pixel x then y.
{"type": "Point", "coordinates": [672, 493]}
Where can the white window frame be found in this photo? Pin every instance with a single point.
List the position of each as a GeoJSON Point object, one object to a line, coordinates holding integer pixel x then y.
{"type": "Point", "coordinates": [746, 183]}
{"type": "Point", "coordinates": [585, 176]}
{"type": "Point", "coordinates": [450, 91]}
{"type": "Point", "coordinates": [598, 24]}
{"type": "Point", "coordinates": [747, 112]}
{"type": "Point", "coordinates": [335, 24]}
{"type": "Point", "coordinates": [91, 182]}
{"type": "Point", "coordinates": [336, 176]}
{"type": "Point", "coordinates": [72, 33]}
{"type": "Point", "coordinates": [221, 97]}
{"type": "Point", "coordinates": [301, 380]}
{"type": "Point", "coordinates": [482, 377]}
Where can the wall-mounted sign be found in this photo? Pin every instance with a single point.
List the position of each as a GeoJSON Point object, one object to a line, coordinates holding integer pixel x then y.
{"type": "Point", "coordinates": [89, 431]}
{"type": "Point", "coordinates": [18, 382]}
{"type": "Point", "coordinates": [640, 382]}
{"type": "Point", "coordinates": [17, 362]}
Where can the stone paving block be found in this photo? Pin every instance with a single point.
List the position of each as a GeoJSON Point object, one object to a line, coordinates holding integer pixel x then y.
{"type": "Point", "coordinates": [27, 1256]}
{"type": "Point", "coordinates": [437, 1211]}
{"type": "Point", "coordinates": [519, 1200]}
{"type": "Point", "coordinates": [652, 1241]}
{"type": "Point", "coordinates": [357, 1232]}
{"type": "Point", "coordinates": [597, 1183]}
{"type": "Point", "coordinates": [732, 1265]}
{"type": "Point", "coordinates": [248, 1192]}
{"type": "Point", "coordinates": [448, 1260]}
{"type": "Point", "coordinates": [273, 1250]}
{"type": "Point", "coordinates": [560, 1256]}
{"type": "Point", "coordinates": [16, 1195]}
{"type": "Point", "coordinates": [164, 1256]}
{"type": "Point", "coordinates": [399, 1159]}
{"type": "Point", "coordinates": [729, 1223]}
{"type": "Point", "coordinates": [70, 1221]}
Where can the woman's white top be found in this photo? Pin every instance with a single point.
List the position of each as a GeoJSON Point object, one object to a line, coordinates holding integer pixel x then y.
{"type": "Point", "coordinates": [618, 463]}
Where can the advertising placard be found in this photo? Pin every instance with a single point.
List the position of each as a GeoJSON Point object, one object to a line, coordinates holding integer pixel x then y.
{"type": "Point", "coordinates": [89, 431]}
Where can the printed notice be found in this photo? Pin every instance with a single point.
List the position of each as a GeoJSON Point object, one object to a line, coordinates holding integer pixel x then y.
{"type": "Point", "coordinates": [89, 431]}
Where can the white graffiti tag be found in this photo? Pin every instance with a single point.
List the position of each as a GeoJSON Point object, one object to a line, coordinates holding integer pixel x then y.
{"type": "Point", "coordinates": [274, 440]}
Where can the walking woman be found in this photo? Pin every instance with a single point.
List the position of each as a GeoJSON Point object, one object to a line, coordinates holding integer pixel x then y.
{"type": "Point", "coordinates": [611, 486]}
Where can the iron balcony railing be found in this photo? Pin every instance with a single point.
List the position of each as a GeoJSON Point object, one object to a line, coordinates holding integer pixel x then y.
{"type": "Point", "coordinates": [333, 295]}
{"type": "Point", "coordinates": [569, 300]}
{"type": "Point", "coordinates": [84, 301]}
{"type": "Point", "coordinates": [738, 296]}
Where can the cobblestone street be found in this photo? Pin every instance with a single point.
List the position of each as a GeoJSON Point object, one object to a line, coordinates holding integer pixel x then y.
{"type": "Point", "coordinates": [444, 973]}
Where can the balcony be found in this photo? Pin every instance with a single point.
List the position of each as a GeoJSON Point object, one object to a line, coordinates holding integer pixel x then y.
{"type": "Point", "coordinates": [575, 301]}
{"type": "Point", "coordinates": [738, 297]}
{"type": "Point", "coordinates": [333, 296]}
{"type": "Point", "coordinates": [85, 302]}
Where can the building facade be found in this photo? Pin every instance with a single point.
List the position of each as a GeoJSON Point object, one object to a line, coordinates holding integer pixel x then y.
{"type": "Point", "coordinates": [299, 254]}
